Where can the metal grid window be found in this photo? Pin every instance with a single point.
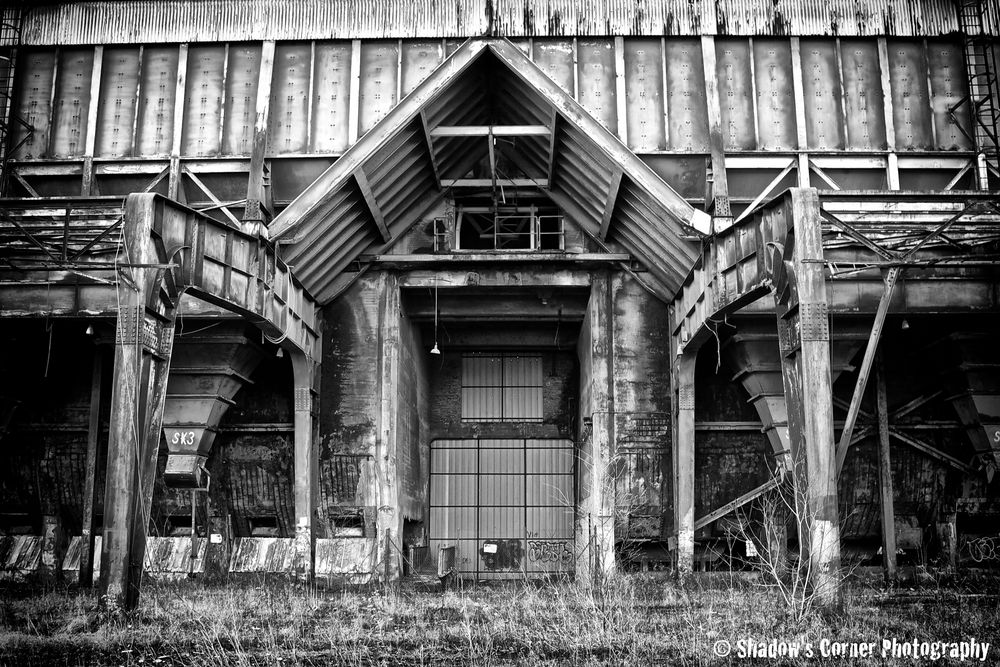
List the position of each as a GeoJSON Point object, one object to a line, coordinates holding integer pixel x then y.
{"type": "Point", "coordinates": [502, 387]}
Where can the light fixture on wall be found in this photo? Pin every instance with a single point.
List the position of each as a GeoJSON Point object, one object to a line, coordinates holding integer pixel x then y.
{"type": "Point", "coordinates": [90, 329]}
{"type": "Point", "coordinates": [280, 353]}
{"type": "Point", "coordinates": [435, 350]}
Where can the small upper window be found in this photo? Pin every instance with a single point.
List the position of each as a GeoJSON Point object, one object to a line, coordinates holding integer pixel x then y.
{"type": "Point", "coordinates": [513, 229]}
{"type": "Point", "coordinates": [502, 387]}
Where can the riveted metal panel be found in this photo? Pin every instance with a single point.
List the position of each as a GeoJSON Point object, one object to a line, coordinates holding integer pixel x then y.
{"type": "Point", "coordinates": [34, 103]}
{"type": "Point", "coordinates": [72, 101]}
{"type": "Point", "coordinates": [203, 100]}
{"type": "Point", "coordinates": [419, 60]}
{"type": "Point", "coordinates": [686, 111]}
{"type": "Point", "coordinates": [290, 98]}
{"type": "Point", "coordinates": [644, 94]}
{"type": "Point", "coordinates": [242, 79]}
{"type": "Point", "coordinates": [948, 86]}
{"type": "Point", "coordinates": [331, 97]}
{"type": "Point", "coordinates": [863, 99]}
{"type": "Point", "coordinates": [821, 91]}
{"type": "Point", "coordinates": [555, 58]}
{"type": "Point", "coordinates": [910, 99]}
{"type": "Point", "coordinates": [158, 90]}
{"type": "Point", "coordinates": [775, 99]}
{"type": "Point", "coordinates": [116, 107]}
{"type": "Point", "coordinates": [596, 68]}
{"type": "Point", "coordinates": [378, 81]}
{"type": "Point", "coordinates": [732, 70]}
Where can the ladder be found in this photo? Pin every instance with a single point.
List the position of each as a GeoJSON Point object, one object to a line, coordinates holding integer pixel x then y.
{"type": "Point", "coordinates": [983, 97]}
{"type": "Point", "coordinates": [11, 19]}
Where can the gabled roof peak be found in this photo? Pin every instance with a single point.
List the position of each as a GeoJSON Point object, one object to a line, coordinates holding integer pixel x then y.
{"type": "Point", "coordinates": [486, 104]}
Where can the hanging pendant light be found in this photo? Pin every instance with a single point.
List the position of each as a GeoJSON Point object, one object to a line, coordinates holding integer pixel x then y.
{"type": "Point", "coordinates": [435, 350]}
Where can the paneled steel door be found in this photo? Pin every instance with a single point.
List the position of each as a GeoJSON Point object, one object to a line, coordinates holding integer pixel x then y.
{"type": "Point", "coordinates": [506, 504]}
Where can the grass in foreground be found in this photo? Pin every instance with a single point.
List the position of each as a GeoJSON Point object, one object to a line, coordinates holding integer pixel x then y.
{"type": "Point", "coordinates": [628, 620]}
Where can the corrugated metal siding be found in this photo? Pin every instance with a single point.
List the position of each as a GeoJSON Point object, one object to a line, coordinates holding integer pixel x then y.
{"type": "Point", "coordinates": [114, 22]}
{"type": "Point", "coordinates": [516, 494]}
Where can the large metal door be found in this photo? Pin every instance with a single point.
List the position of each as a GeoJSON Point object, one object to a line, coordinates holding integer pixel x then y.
{"type": "Point", "coordinates": [506, 504]}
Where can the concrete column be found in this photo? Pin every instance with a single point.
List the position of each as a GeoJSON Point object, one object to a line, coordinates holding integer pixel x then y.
{"type": "Point", "coordinates": [596, 493]}
{"type": "Point", "coordinates": [306, 465]}
{"type": "Point", "coordinates": [684, 463]}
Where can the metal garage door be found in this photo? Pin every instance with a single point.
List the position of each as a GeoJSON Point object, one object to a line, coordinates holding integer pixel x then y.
{"type": "Point", "coordinates": [506, 504]}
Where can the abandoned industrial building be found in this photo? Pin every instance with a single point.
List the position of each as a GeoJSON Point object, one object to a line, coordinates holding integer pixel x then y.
{"type": "Point", "coordinates": [342, 290]}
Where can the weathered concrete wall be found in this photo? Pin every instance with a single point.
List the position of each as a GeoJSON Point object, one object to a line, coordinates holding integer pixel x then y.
{"type": "Point", "coordinates": [641, 363]}
{"type": "Point", "coordinates": [350, 403]}
{"type": "Point", "coordinates": [413, 423]}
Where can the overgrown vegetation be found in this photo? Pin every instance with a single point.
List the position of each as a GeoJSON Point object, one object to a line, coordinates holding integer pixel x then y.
{"type": "Point", "coordinates": [630, 619]}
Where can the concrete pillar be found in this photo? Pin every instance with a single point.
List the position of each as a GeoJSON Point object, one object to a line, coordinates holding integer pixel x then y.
{"type": "Point", "coordinates": [595, 532]}
{"type": "Point", "coordinates": [306, 464]}
{"type": "Point", "coordinates": [684, 370]}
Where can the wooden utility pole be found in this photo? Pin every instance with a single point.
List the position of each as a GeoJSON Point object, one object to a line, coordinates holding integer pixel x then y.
{"type": "Point", "coordinates": [86, 573]}
{"type": "Point", "coordinates": [885, 476]}
{"type": "Point", "coordinates": [805, 343]}
{"type": "Point", "coordinates": [143, 342]}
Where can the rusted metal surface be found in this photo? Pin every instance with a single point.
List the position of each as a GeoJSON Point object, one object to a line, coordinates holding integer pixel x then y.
{"type": "Point", "coordinates": [20, 554]}
{"type": "Point", "coordinates": [350, 559]}
{"type": "Point", "coordinates": [108, 22]}
{"type": "Point", "coordinates": [172, 556]}
{"type": "Point", "coordinates": [262, 554]}
{"type": "Point", "coordinates": [71, 562]}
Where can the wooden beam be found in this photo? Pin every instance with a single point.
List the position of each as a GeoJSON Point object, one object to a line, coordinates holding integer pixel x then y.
{"type": "Point", "coordinates": [86, 573]}
{"type": "Point", "coordinates": [767, 190]}
{"type": "Point", "coordinates": [738, 502]}
{"type": "Point", "coordinates": [502, 182]}
{"type": "Point", "coordinates": [366, 191]}
{"type": "Point", "coordinates": [609, 204]}
{"type": "Point", "coordinates": [258, 209]}
{"type": "Point", "coordinates": [621, 102]}
{"type": "Point", "coordinates": [554, 122]}
{"type": "Point", "coordinates": [885, 476]}
{"type": "Point", "coordinates": [809, 394]}
{"type": "Point", "coordinates": [90, 140]}
{"type": "Point", "coordinates": [866, 365]}
{"type": "Point", "coordinates": [719, 205]}
{"type": "Point", "coordinates": [430, 148]}
{"type": "Point", "coordinates": [485, 130]}
{"type": "Point", "coordinates": [139, 389]}
{"type": "Point", "coordinates": [798, 94]}
{"type": "Point", "coordinates": [211, 195]}
{"type": "Point", "coordinates": [930, 450]}
{"type": "Point", "coordinates": [892, 160]}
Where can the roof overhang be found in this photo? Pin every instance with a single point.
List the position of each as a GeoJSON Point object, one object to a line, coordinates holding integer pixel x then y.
{"type": "Point", "coordinates": [432, 141]}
